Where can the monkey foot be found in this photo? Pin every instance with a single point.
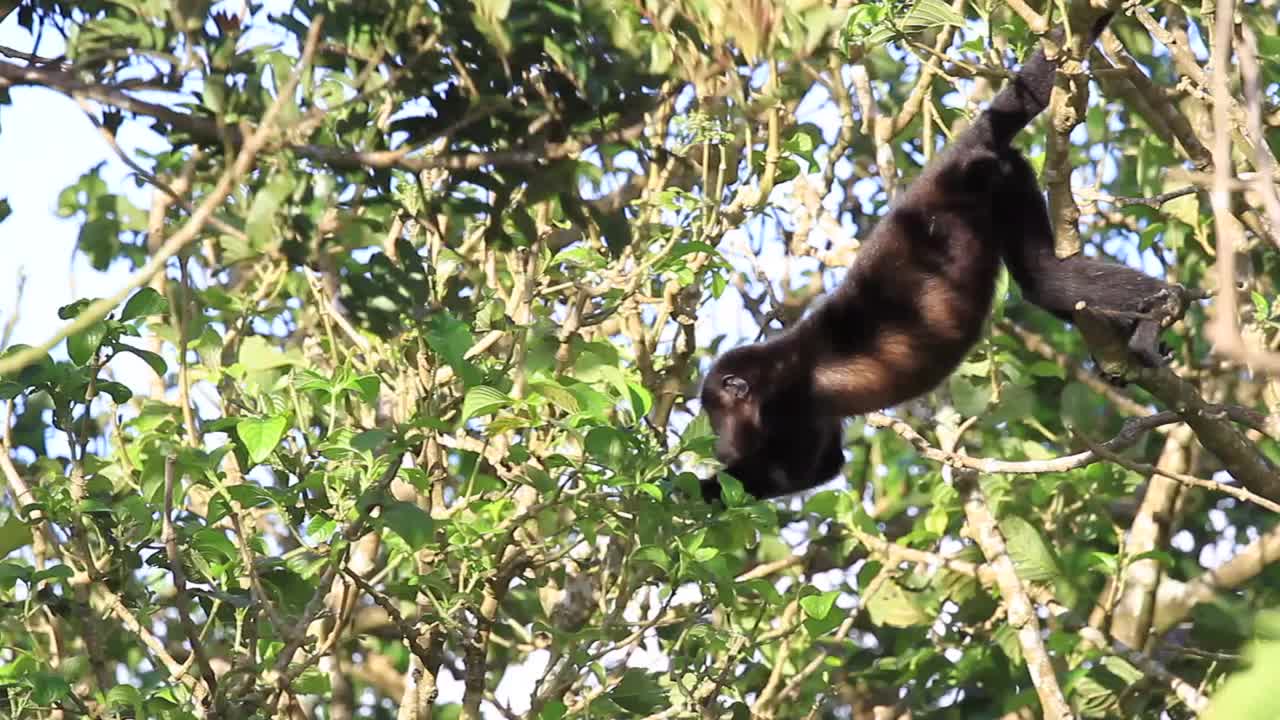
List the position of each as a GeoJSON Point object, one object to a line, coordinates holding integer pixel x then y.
{"type": "Point", "coordinates": [1114, 380]}
{"type": "Point", "coordinates": [1168, 305]}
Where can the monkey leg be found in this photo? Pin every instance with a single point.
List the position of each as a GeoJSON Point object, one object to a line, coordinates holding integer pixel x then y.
{"type": "Point", "coordinates": [1137, 306]}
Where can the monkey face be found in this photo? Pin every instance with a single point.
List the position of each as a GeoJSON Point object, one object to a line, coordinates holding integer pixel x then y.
{"type": "Point", "coordinates": [768, 433]}
{"type": "Point", "coordinates": [794, 457]}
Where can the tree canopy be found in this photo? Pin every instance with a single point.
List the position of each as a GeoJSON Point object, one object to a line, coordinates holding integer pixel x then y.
{"type": "Point", "coordinates": [396, 413]}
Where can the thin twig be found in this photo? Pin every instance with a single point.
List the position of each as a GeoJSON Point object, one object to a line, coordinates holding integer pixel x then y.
{"type": "Point", "coordinates": [176, 194]}
{"type": "Point", "coordinates": [181, 599]}
{"type": "Point", "coordinates": [1130, 432]}
{"type": "Point", "coordinates": [12, 321]}
{"type": "Point", "coordinates": [411, 636]}
{"type": "Point", "coordinates": [297, 634]}
{"type": "Point", "coordinates": [1239, 493]}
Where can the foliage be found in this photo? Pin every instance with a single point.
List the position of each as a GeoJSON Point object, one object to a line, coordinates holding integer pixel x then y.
{"type": "Point", "coordinates": [401, 426]}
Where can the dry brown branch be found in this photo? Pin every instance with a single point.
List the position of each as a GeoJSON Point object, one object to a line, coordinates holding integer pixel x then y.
{"type": "Point", "coordinates": [928, 70]}
{"type": "Point", "coordinates": [1247, 564]}
{"type": "Point", "coordinates": [1263, 159]}
{"type": "Point", "coordinates": [1239, 456]}
{"type": "Point", "coordinates": [408, 632]}
{"type": "Point", "coordinates": [895, 554]}
{"type": "Point", "coordinates": [981, 526]}
{"type": "Point", "coordinates": [11, 322]}
{"type": "Point", "coordinates": [1037, 22]}
{"type": "Point", "coordinates": [176, 194]}
{"type": "Point", "coordinates": [116, 606]}
{"type": "Point", "coordinates": [1224, 330]}
{"type": "Point", "coordinates": [409, 159]}
{"type": "Point", "coordinates": [1122, 77]}
{"type": "Point", "coordinates": [296, 634]}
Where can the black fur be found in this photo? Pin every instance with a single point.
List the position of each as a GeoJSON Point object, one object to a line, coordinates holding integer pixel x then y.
{"type": "Point", "coordinates": [1059, 285]}
{"type": "Point", "coordinates": [911, 306]}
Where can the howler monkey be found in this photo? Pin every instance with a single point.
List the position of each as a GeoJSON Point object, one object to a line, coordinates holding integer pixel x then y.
{"type": "Point", "coordinates": [913, 303]}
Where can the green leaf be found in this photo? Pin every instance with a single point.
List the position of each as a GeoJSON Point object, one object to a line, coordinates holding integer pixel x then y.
{"type": "Point", "coordinates": [261, 435]}
{"type": "Point", "coordinates": [313, 682]}
{"type": "Point", "coordinates": [937, 520]}
{"type": "Point", "coordinates": [483, 400]}
{"type": "Point", "coordinates": [156, 362]}
{"type": "Point", "coordinates": [145, 302]}
{"type": "Point", "coordinates": [124, 696]}
{"type": "Point", "coordinates": [365, 387]}
{"type": "Point", "coordinates": [82, 346]}
{"type": "Point", "coordinates": [11, 572]}
{"type": "Point", "coordinates": [48, 689]}
{"type": "Point", "coordinates": [1079, 405]}
{"type": "Point", "coordinates": [257, 354]}
{"type": "Point", "coordinates": [641, 399]}
{"type": "Point", "coordinates": [212, 545]}
{"type": "Point", "coordinates": [1247, 694]}
{"type": "Point", "coordinates": [638, 692]}
{"type": "Point", "coordinates": [1104, 560]}
{"type": "Point", "coordinates": [655, 555]}
{"type": "Point", "coordinates": [14, 534]}
{"type": "Point", "coordinates": [1160, 556]}
{"type": "Point", "coordinates": [494, 9]}
{"type": "Point", "coordinates": [409, 522]}
{"type": "Point", "coordinates": [932, 13]}
{"type": "Point", "coordinates": [73, 309]}
{"type": "Point", "coordinates": [40, 370]}
{"type": "Point", "coordinates": [1261, 308]}
{"type": "Point", "coordinates": [119, 393]}
{"type": "Point", "coordinates": [891, 606]}
{"type": "Point", "coordinates": [606, 445]}
{"type": "Point", "coordinates": [1044, 368]}
{"type": "Point", "coordinates": [5, 208]}
{"type": "Point", "coordinates": [554, 710]}
{"type": "Point", "coordinates": [817, 606]}
{"type": "Point", "coordinates": [970, 398]}
{"type": "Point", "coordinates": [260, 222]}
{"type": "Point", "coordinates": [1029, 552]}
{"type": "Point", "coordinates": [57, 572]}
{"type": "Point", "coordinates": [556, 393]}
{"type": "Point", "coordinates": [450, 338]}
{"type": "Point", "coordinates": [250, 495]}
{"type": "Point", "coordinates": [825, 503]}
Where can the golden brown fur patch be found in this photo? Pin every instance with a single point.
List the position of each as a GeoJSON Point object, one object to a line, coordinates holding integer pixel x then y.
{"type": "Point", "coordinates": [939, 308]}
{"type": "Point", "coordinates": [865, 382]}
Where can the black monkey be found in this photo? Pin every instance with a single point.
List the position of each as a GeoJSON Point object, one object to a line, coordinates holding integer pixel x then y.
{"type": "Point", "coordinates": [912, 304]}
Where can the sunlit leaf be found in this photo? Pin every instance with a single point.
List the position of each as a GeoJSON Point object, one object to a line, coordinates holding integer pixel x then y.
{"type": "Point", "coordinates": [483, 400]}
{"type": "Point", "coordinates": [261, 435]}
{"type": "Point", "coordinates": [143, 303]}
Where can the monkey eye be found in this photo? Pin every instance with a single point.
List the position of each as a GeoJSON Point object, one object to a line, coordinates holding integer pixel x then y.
{"type": "Point", "coordinates": [736, 386]}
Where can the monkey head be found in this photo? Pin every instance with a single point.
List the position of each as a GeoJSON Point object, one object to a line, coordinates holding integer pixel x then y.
{"type": "Point", "coordinates": [769, 433]}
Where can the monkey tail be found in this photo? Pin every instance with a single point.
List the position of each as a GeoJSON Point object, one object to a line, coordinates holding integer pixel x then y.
{"type": "Point", "coordinates": [1027, 95]}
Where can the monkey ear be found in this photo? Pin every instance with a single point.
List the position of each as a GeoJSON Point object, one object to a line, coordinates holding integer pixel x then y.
{"type": "Point", "coordinates": [737, 387]}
